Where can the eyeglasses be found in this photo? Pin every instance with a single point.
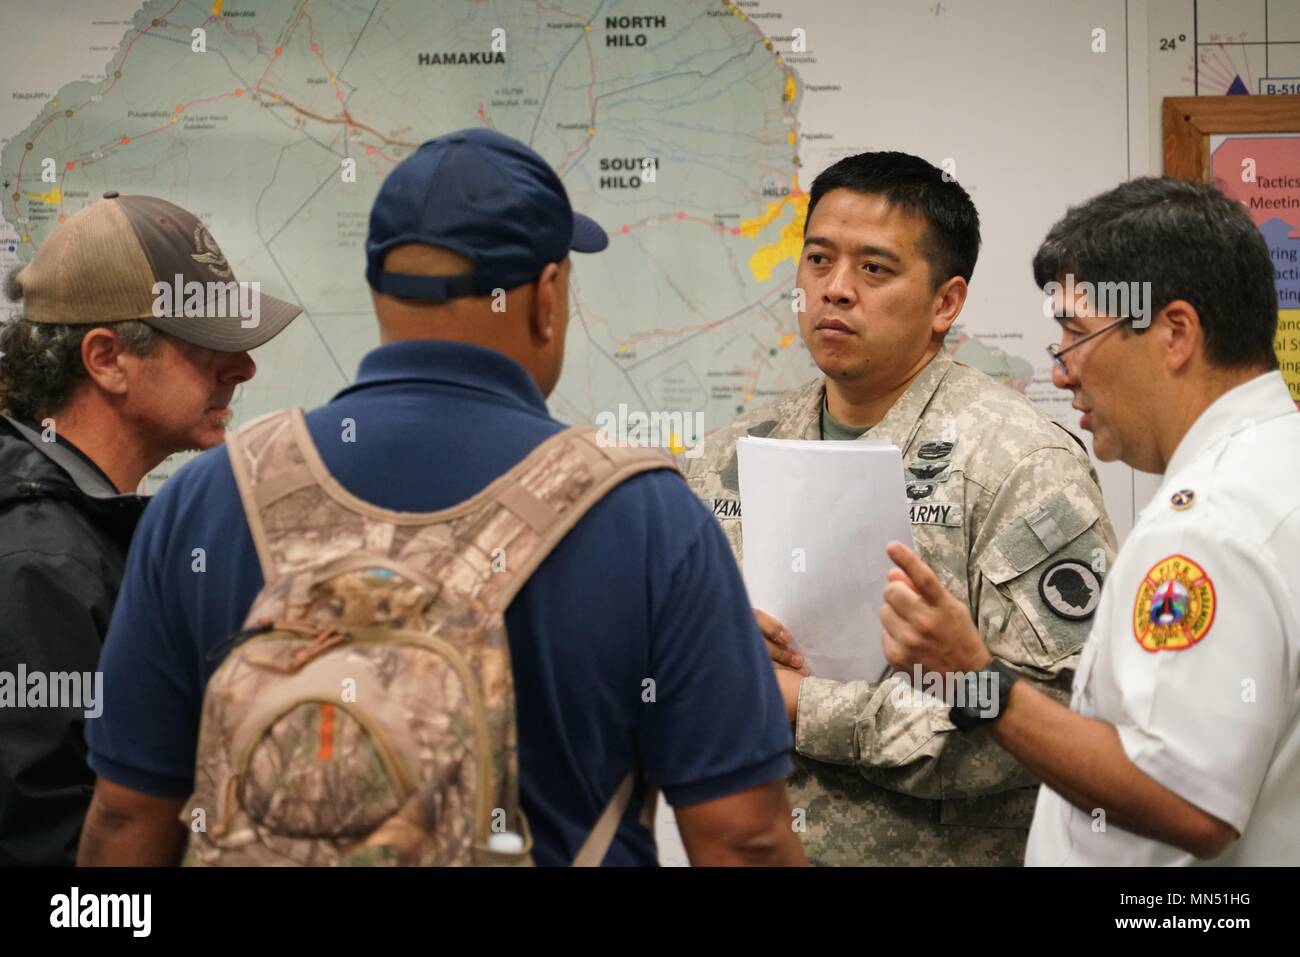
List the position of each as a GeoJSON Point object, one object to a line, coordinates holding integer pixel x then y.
{"type": "Point", "coordinates": [1056, 352]}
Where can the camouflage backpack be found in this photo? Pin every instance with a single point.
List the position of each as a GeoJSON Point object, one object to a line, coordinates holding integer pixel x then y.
{"type": "Point", "coordinates": [365, 714]}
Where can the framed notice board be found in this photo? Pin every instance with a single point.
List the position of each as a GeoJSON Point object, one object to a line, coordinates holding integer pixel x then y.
{"type": "Point", "coordinates": [1250, 147]}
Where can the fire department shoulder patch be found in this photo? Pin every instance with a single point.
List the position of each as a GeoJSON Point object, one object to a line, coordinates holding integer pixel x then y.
{"type": "Point", "coordinates": [1175, 605]}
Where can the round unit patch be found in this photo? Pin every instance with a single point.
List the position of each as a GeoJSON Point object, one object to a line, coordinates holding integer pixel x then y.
{"type": "Point", "coordinates": [1071, 589]}
{"type": "Point", "coordinates": [1175, 605]}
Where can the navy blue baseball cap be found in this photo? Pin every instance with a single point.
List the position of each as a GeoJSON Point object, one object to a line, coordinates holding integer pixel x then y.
{"type": "Point", "coordinates": [481, 194]}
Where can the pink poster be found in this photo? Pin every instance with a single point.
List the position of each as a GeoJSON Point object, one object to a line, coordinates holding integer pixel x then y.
{"type": "Point", "coordinates": [1263, 172]}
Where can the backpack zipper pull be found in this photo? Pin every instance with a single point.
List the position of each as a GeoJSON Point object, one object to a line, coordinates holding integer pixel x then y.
{"type": "Point", "coordinates": [239, 637]}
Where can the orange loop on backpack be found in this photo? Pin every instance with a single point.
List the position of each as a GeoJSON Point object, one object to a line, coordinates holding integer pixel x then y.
{"type": "Point", "coordinates": [326, 750]}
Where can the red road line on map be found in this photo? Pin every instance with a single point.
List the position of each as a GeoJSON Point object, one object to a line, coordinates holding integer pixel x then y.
{"type": "Point", "coordinates": [125, 53]}
{"type": "Point", "coordinates": [576, 16]}
{"type": "Point", "coordinates": [591, 87]}
{"type": "Point", "coordinates": [346, 116]}
{"type": "Point", "coordinates": [311, 38]}
{"type": "Point", "coordinates": [664, 334]}
{"type": "Point", "coordinates": [669, 217]}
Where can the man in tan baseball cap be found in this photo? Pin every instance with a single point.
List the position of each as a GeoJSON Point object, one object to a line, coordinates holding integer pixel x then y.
{"type": "Point", "coordinates": [131, 337]}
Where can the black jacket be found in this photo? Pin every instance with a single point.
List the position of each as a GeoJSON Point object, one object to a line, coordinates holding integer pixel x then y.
{"type": "Point", "coordinates": [64, 532]}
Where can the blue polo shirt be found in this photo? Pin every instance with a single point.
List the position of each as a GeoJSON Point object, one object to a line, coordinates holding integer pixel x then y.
{"type": "Point", "coordinates": [643, 587]}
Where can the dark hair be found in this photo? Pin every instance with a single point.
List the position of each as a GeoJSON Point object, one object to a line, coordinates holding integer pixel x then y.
{"type": "Point", "coordinates": [1190, 242]}
{"type": "Point", "coordinates": [40, 362]}
{"type": "Point", "coordinates": [951, 242]}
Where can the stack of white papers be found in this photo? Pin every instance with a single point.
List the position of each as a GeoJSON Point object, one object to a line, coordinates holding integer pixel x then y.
{"type": "Point", "coordinates": [815, 519]}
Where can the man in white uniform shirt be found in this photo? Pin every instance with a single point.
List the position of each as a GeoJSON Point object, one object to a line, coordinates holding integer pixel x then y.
{"type": "Point", "coordinates": [1181, 744]}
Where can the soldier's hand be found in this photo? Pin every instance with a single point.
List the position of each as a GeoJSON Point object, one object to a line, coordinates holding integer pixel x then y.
{"type": "Point", "coordinates": [789, 681]}
{"type": "Point", "coordinates": [777, 639]}
{"type": "Point", "coordinates": [924, 624]}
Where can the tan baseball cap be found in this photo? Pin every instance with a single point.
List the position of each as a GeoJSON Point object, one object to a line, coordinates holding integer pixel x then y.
{"type": "Point", "coordinates": [141, 257]}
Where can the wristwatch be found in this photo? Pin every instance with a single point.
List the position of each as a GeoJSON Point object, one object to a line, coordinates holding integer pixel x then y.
{"type": "Point", "coordinates": [973, 709]}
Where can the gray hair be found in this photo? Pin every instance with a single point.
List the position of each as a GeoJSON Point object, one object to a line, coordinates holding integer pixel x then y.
{"type": "Point", "coordinates": [40, 362]}
{"type": "Point", "coordinates": [1190, 242]}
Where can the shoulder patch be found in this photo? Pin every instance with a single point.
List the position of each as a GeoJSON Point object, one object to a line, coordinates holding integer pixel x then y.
{"type": "Point", "coordinates": [1071, 589]}
{"type": "Point", "coordinates": [1175, 605]}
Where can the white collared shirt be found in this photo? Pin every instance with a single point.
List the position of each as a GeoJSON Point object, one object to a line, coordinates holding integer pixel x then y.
{"type": "Point", "coordinates": [1194, 655]}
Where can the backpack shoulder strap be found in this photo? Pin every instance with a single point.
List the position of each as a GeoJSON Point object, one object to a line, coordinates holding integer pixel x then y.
{"type": "Point", "coordinates": [596, 846]}
{"type": "Point", "coordinates": [550, 491]}
{"type": "Point", "coordinates": [268, 464]}
{"type": "Point", "coordinates": [554, 487]}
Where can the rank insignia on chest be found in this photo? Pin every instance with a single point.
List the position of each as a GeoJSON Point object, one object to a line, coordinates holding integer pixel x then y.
{"type": "Point", "coordinates": [1175, 605]}
{"type": "Point", "coordinates": [924, 471]}
{"type": "Point", "coordinates": [935, 451]}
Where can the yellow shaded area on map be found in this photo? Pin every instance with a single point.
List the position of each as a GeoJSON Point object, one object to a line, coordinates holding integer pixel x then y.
{"type": "Point", "coordinates": [1287, 346]}
{"type": "Point", "coordinates": [53, 198]}
{"type": "Point", "coordinates": [216, 7]}
{"type": "Point", "coordinates": [787, 245]}
{"type": "Point", "coordinates": [785, 341]}
{"type": "Point", "coordinates": [750, 228]}
{"type": "Point", "coordinates": [790, 88]}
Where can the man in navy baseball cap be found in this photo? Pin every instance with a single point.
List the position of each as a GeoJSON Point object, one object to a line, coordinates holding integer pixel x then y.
{"type": "Point", "coordinates": [469, 241]}
{"type": "Point", "coordinates": [485, 196]}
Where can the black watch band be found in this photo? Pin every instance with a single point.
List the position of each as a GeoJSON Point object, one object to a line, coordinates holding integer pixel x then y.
{"type": "Point", "coordinates": [973, 709]}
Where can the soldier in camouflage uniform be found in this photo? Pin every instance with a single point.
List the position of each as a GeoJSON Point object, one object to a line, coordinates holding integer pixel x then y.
{"type": "Point", "coordinates": [1006, 509]}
